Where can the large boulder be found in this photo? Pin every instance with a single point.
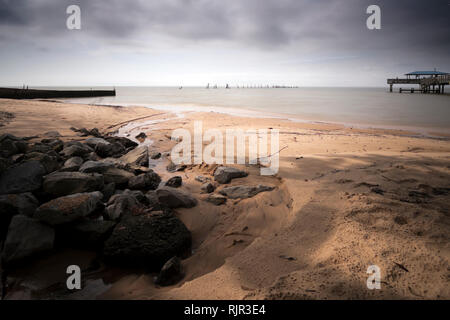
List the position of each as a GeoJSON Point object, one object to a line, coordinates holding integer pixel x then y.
{"type": "Point", "coordinates": [50, 163]}
{"type": "Point", "coordinates": [10, 145]}
{"type": "Point", "coordinates": [13, 204]}
{"type": "Point", "coordinates": [96, 166]}
{"type": "Point", "coordinates": [174, 198]}
{"type": "Point", "coordinates": [27, 237]}
{"type": "Point", "coordinates": [226, 174]}
{"type": "Point", "coordinates": [72, 164]}
{"type": "Point", "coordinates": [93, 142]}
{"type": "Point", "coordinates": [69, 208]}
{"type": "Point", "coordinates": [138, 156]}
{"type": "Point", "coordinates": [127, 143]}
{"type": "Point", "coordinates": [114, 150]}
{"type": "Point", "coordinates": [119, 176]}
{"type": "Point", "coordinates": [64, 183]}
{"type": "Point", "coordinates": [147, 240]}
{"type": "Point", "coordinates": [24, 177]}
{"type": "Point", "coordinates": [76, 150]}
{"type": "Point", "coordinates": [148, 181]}
{"type": "Point", "coordinates": [243, 192]}
{"type": "Point", "coordinates": [85, 233]}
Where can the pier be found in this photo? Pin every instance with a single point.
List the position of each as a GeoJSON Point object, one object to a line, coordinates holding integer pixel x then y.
{"type": "Point", "coordinates": [25, 93]}
{"type": "Point", "coordinates": [428, 81]}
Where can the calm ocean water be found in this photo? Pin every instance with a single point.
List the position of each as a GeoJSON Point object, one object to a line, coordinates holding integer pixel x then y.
{"type": "Point", "coordinates": [372, 107]}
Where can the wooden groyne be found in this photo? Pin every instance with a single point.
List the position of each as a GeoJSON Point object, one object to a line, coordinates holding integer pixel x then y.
{"type": "Point", "coordinates": [13, 93]}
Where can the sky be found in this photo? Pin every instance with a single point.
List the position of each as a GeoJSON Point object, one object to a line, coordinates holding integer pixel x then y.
{"type": "Point", "coordinates": [195, 42]}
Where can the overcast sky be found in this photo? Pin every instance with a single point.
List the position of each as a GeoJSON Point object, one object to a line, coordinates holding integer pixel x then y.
{"type": "Point", "coordinates": [193, 42]}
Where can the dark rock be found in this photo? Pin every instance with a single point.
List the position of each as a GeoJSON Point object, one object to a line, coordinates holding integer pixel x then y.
{"type": "Point", "coordinates": [93, 142]}
{"type": "Point", "coordinates": [11, 145]}
{"type": "Point", "coordinates": [18, 157]}
{"type": "Point", "coordinates": [243, 192]}
{"type": "Point", "coordinates": [122, 204]}
{"type": "Point", "coordinates": [172, 167]}
{"type": "Point", "coordinates": [22, 178]}
{"type": "Point", "coordinates": [4, 164]}
{"type": "Point", "coordinates": [85, 233]}
{"type": "Point", "coordinates": [207, 187]}
{"type": "Point", "coordinates": [52, 134]}
{"type": "Point", "coordinates": [40, 148]}
{"type": "Point", "coordinates": [202, 179]}
{"type": "Point", "coordinates": [170, 273]}
{"type": "Point", "coordinates": [155, 155]}
{"type": "Point", "coordinates": [72, 164]}
{"type": "Point", "coordinates": [13, 204]}
{"type": "Point", "coordinates": [145, 181]}
{"type": "Point", "coordinates": [174, 182]}
{"type": "Point", "coordinates": [50, 163]}
{"type": "Point", "coordinates": [119, 176]}
{"type": "Point", "coordinates": [65, 183]}
{"type": "Point", "coordinates": [56, 144]}
{"type": "Point", "coordinates": [26, 238]}
{"type": "Point", "coordinates": [141, 136]}
{"type": "Point", "coordinates": [94, 132]}
{"type": "Point", "coordinates": [76, 150]}
{"type": "Point", "coordinates": [108, 190]}
{"type": "Point", "coordinates": [127, 143]}
{"type": "Point", "coordinates": [114, 150]}
{"type": "Point", "coordinates": [216, 199]}
{"type": "Point", "coordinates": [377, 190]}
{"type": "Point", "coordinates": [69, 208]}
{"type": "Point", "coordinates": [226, 174]}
{"type": "Point", "coordinates": [147, 240]}
{"type": "Point", "coordinates": [400, 220]}
{"type": "Point", "coordinates": [152, 200]}
{"type": "Point", "coordinates": [173, 198]}
{"type": "Point", "coordinates": [95, 167]}
{"type": "Point", "coordinates": [138, 156]}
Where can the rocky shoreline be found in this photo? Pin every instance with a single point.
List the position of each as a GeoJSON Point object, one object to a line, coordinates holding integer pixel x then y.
{"type": "Point", "coordinates": [98, 193]}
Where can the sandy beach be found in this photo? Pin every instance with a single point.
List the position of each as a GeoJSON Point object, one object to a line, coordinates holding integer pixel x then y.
{"type": "Point", "coordinates": [344, 199]}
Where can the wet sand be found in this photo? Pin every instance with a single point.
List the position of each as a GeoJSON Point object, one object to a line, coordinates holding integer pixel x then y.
{"type": "Point", "coordinates": [344, 199]}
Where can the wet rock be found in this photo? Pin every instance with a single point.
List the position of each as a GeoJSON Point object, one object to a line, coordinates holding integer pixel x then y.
{"type": "Point", "coordinates": [147, 240]}
{"type": "Point", "coordinates": [21, 178]}
{"type": "Point", "coordinates": [141, 136]}
{"type": "Point", "coordinates": [72, 164]}
{"type": "Point", "coordinates": [13, 204]}
{"type": "Point", "coordinates": [145, 181]}
{"type": "Point", "coordinates": [69, 208]}
{"type": "Point", "coordinates": [95, 167]}
{"type": "Point", "coordinates": [76, 150]}
{"type": "Point", "coordinates": [243, 192]}
{"type": "Point", "coordinates": [127, 143]}
{"type": "Point", "coordinates": [65, 183]}
{"type": "Point", "coordinates": [170, 273]}
{"type": "Point", "coordinates": [172, 167]}
{"type": "Point", "coordinates": [86, 233]}
{"type": "Point", "coordinates": [174, 182]}
{"type": "Point", "coordinates": [27, 237]}
{"type": "Point", "coordinates": [173, 198]}
{"type": "Point", "coordinates": [122, 204]}
{"type": "Point", "coordinates": [155, 155]}
{"type": "Point", "coordinates": [119, 176]}
{"type": "Point", "coordinates": [114, 150]}
{"type": "Point", "coordinates": [207, 187]}
{"type": "Point", "coordinates": [93, 142]}
{"type": "Point", "coordinates": [216, 199]}
{"type": "Point", "coordinates": [226, 174]}
{"type": "Point", "coordinates": [138, 156]}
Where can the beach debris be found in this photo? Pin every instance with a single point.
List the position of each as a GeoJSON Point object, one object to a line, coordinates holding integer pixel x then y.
{"type": "Point", "coordinates": [69, 208]}
{"type": "Point", "coordinates": [226, 174]}
{"type": "Point", "coordinates": [170, 273]}
{"type": "Point", "coordinates": [27, 237]}
{"type": "Point", "coordinates": [401, 266]}
{"type": "Point", "coordinates": [147, 240]}
{"type": "Point", "coordinates": [24, 177]}
{"type": "Point", "coordinates": [174, 182]}
{"type": "Point", "coordinates": [243, 192]}
{"type": "Point", "coordinates": [146, 181]}
{"type": "Point", "coordinates": [216, 199]}
{"type": "Point", "coordinates": [174, 198]}
{"type": "Point", "coordinates": [65, 183]}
